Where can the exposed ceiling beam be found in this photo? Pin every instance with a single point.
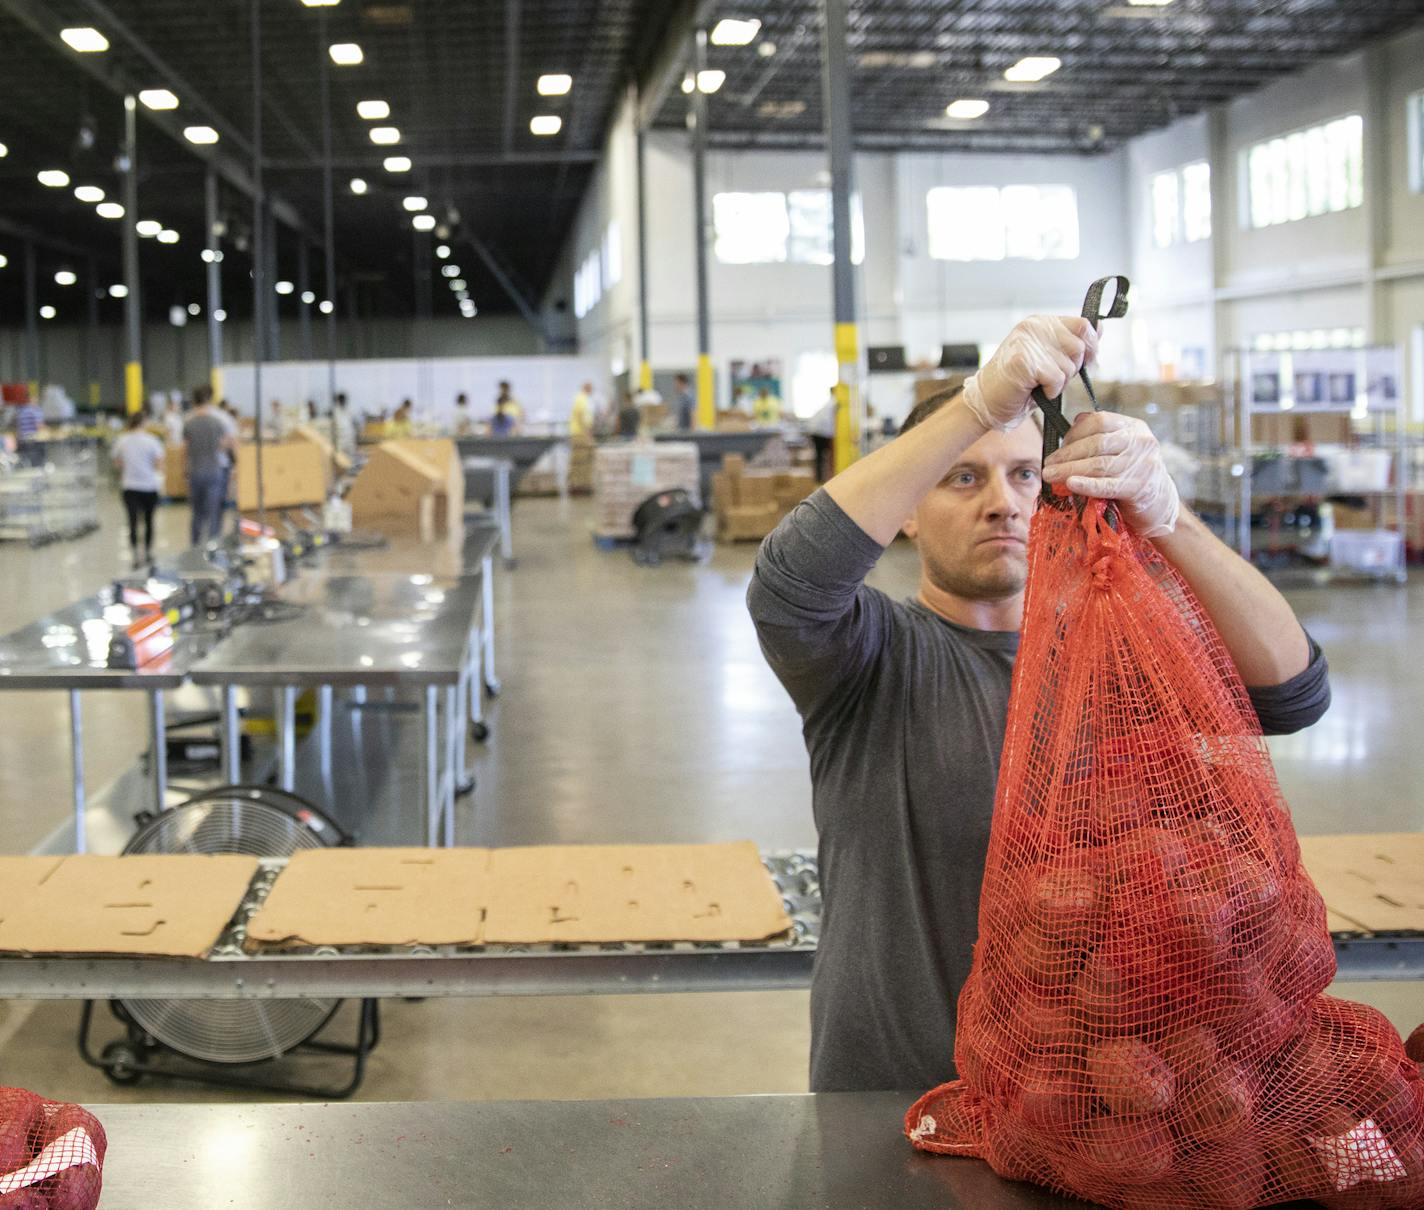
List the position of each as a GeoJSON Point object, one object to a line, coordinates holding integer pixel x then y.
{"type": "Point", "coordinates": [476, 159]}
{"type": "Point", "coordinates": [667, 63]}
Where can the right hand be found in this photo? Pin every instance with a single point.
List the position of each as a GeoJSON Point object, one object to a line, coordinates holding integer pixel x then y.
{"type": "Point", "coordinates": [1042, 351]}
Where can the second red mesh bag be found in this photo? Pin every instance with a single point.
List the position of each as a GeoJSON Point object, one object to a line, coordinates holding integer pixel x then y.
{"type": "Point", "coordinates": [51, 1154]}
{"type": "Point", "coordinates": [1144, 1024]}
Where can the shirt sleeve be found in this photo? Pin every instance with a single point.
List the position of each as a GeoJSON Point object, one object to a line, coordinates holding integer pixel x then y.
{"type": "Point", "coordinates": [1297, 703]}
{"type": "Point", "coordinates": [821, 629]}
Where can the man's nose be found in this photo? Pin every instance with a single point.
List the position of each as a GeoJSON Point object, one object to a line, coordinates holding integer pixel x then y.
{"type": "Point", "coordinates": [1000, 500]}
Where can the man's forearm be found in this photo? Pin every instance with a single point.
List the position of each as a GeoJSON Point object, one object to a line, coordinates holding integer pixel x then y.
{"type": "Point", "coordinates": [1261, 632]}
{"type": "Point", "coordinates": [880, 491]}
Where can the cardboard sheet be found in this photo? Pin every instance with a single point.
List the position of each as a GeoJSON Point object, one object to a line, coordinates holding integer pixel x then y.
{"type": "Point", "coordinates": [1370, 883]}
{"type": "Point", "coordinates": [170, 906]}
{"type": "Point", "coordinates": [376, 897]}
{"type": "Point", "coordinates": [594, 893]}
{"type": "Point", "coordinates": [20, 880]}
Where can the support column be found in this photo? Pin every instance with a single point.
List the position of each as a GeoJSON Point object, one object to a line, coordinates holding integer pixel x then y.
{"type": "Point", "coordinates": [1379, 321]}
{"type": "Point", "coordinates": [328, 213]}
{"type": "Point", "coordinates": [274, 308]}
{"type": "Point", "coordinates": [260, 286]}
{"type": "Point", "coordinates": [32, 325]}
{"type": "Point", "coordinates": [840, 143]}
{"type": "Point", "coordinates": [133, 305]}
{"type": "Point", "coordinates": [214, 268]}
{"type": "Point", "coordinates": [706, 399]}
{"type": "Point", "coordinates": [91, 333]}
{"type": "Point", "coordinates": [304, 327]}
{"type": "Point", "coordinates": [645, 360]}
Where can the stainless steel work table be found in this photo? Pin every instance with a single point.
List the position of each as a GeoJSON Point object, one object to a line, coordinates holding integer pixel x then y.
{"type": "Point", "coordinates": [823, 1150]}
{"type": "Point", "coordinates": [362, 632]}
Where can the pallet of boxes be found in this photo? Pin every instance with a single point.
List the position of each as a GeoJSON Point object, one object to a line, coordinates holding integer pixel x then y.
{"type": "Point", "coordinates": [413, 487]}
{"type": "Point", "coordinates": [751, 503]}
{"type": "Point", "coordinates": [626, 473]}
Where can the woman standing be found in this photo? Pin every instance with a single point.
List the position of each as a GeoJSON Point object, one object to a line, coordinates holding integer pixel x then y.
{"type": "Point", "coordinates": [139, 456]}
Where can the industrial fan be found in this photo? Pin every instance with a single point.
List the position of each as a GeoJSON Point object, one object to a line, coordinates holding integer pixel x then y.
{"type": "Point", "coordinates": [259, 821]}
{"type": "Point", "coordinates": [669, 525]}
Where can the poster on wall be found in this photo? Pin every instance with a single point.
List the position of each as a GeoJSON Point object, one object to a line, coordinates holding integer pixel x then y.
{"type": "Point", "coordinates": [1382, 378]}
{"type": "Point", "coordinates": [1264, 372]}
{"type": "Point", "coordinates": [1325, 380]}
{"type": "Point", "coordinates": [754, 380]}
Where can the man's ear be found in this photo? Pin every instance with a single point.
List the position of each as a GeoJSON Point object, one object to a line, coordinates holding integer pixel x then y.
{"type": "Point", "coordinates": [911, 527]}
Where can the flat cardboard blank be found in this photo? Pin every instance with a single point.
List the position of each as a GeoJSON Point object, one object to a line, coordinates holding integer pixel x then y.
{"type": "Point", "coordinates": [163, 905]}
{"type": "Point", "coordinates": [1371, 883]}
{"type": "Point", "coordinates": [376, 897]}
{"type": "Point", "coordinates": [591, 893]}
{"type": "Point", "coordinates": [20, 880]}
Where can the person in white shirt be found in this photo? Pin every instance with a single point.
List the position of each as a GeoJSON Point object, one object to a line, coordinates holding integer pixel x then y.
{"type": "Point", "coordinates": [173, 423]}
{"type": "Point", "coordinates": [139, 456]}
{"type": "Point", "coordinates": [345, 425]}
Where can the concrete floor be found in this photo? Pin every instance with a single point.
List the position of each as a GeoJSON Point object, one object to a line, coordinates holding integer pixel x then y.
{"type": "Point", "coordinates": [636, 707]}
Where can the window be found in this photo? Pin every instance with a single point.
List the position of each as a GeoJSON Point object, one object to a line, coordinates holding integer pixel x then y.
{"type": "Point", "coordinates": [588, 284]}
{"type": "Point", "coordinates": [809, 220]}
{"type": "Point", "coordinates": [612, 255]}
{"type": "Point", "coordinates": [1181, 205]}
{"type": "Point", "coordinates": [1166, 210]}
{"type": "Point", "coordinates": [1196, 201]}
{"type": "Point", "coordinates": [1019, 222]}
{"type": "Point", "coordinates": [1311, 172]}
{"type": "Point", "coordinates": [772, 228]}
{"type": "Point", "coordinates": [1309, 339]}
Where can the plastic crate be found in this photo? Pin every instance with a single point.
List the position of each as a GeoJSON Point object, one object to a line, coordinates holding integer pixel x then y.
{"type": "Point", "coordinates": [1367, 550]}
{"type": "Point", "coordinates": [1357, 470]}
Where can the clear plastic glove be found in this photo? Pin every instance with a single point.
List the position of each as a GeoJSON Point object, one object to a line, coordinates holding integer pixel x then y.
{"type": "Point", "coordinates": [1042, 351]}
{"type": "Point", "coordinates": [1117, 458]}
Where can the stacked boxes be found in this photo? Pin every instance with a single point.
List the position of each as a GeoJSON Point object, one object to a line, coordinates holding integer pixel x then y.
{"type": "Point", "coordinates": [581, 465]}
{"type": "Point", "coordinates": [750, 504]}
{"type": "Point", "coordinates": [627, 473]}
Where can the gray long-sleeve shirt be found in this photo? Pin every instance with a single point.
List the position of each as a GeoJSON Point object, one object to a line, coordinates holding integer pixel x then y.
{"type": "Point", "coordinates": [903, 715]}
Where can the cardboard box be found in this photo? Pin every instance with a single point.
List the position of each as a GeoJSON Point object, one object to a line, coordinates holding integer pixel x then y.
{"type": "Point", "coordinates": [376, 897]}
{"type": "Point", "coordinates": [293, 473]}
{"type": "Point", "coordinates": [160, 905]}
{"type": "Point", "coordinates": [175, 472]}
{"type": "Point", "coordinates": [625, 473]}
{"type": "Point", "coordinates": [395, 492]}
{"type": "Point", "coordinates": [733, 421]}
{"type": "Point", "coordinates": [592, 893]}
{"type": "Point", "coordinates": [442, 454]}
{"type": "Point", "coordinates": [319, 434]}
{"type": "Point", "coordinates": [747, 522]}
{"type": "Point", "coordinates": [1371, 883]}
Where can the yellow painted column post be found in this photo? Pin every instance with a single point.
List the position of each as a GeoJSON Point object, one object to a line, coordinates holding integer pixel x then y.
{"type": "Point", "coordinates": [133, 387]}
{"type": "Point", "coordinates": [645, 376]}
{"type": "Point", "coordinates": [706, 398]}
{"type": "Point", "coordinates": [215, 380]}
{"type": "Point", "coordinates": [94, 394]}
{"type": "Point", "coordinates": [846, 447]}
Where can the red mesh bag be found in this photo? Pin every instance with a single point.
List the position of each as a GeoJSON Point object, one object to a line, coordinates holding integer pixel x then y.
{"type": "Point", "coordinates": [1143, 1025]}
{"type": "Point", "coordinates": [51, 1154]}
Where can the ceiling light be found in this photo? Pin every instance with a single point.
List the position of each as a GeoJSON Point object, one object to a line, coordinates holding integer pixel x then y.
{"type": "Point", "coordinates": [345, 54]}
{"type": "Point", "coordinates": [220, 315]}
{"type": "Point", "coordinates": [168, 236]}
{"type": "Point", "coordinates": [450, 270]}
{"type": "Point", "coordinates": [210, 256]}
{"type": "Point", "coordinates": [730, 31]}
{"type": "Point", "coordinates": [84, 39]}
{"type": "Point", "coordinates": [423, 222]}
{"type": "Point", "coordinates": [1149, 3]}
{"type": "Point", "coordinates": [766, 49]}
{"type": "Point", "coordinates": [194, 310]}
{"type": "Point", "coordinates": [688, 84]}
{"type": "Point", "coordinates": [54, 178]}
{"type": "Point", "coordinates": [414, 204]}
{"type": "Point", "coordinates": [385, 136]}
{"type": "Point", "coordinates": [373, 111]}
{"type": "Point", "coordinates": [65, 277]}
{"type": "Point", "coordinates": [442, 251]}
{"type": "Point", "coordinates": [396, 163]}
{"type": "Point", "coordinates": [200, 134]}
{"type": "Point", "coordinates": [325, 306]}
{"type": "Point", "coordinates": [358, 185]}
{"type": "Point", "coordinates": [966, 109]}
{"type": "Point", "coordinates": [158, 98]}
{"type": "Point", "coordinates": [148, 227]}
{"type": "Point", "coordinates": [459, 284]}
{"type": "Point", "coordinates": [555, 84]}
{"type": "Point", "coordinates": [109, 210]}
{"type": "Point", "coordinates": [284, 287]}
{"type": "Point", "coordinates": [546, 123]}
{"type": "Point", "coordinates": [4, 260]}
{"type": "Point", "coordinates": [89, 193]}
{"type": "Point", "coordinates": [1033, 69]}
{"type": "Point", "coordinates": [118, 290]}
{"type": "Point", "coordinates": [710, 80]}
{"type": "Point", "coordinates": [321, 3]}
{"type": "Point", "coordinates": [308, 297]}
{"type": "Point", "coordinates": [48, 312]}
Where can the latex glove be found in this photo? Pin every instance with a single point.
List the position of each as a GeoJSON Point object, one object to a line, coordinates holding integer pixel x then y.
{"type": "Point", "coordinates": [1042, 351]}
{"type": "Point", "coordinates": [1117, 458]}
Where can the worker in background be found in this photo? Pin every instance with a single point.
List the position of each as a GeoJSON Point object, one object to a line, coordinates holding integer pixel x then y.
{"type": "Point", "coordinates": [507, 413]}
{"type": "Point", "coordinates": [400, 425]}
{"type": "Point", "coordinates": [29, 420]}
{"type": "Point", "coordinates": [228, 458]}
{"type": "Point", "coordinates": [684, 405]}
{"type": "Point", "coordinates": [766, 408]}
{"type": "Point", "coordinates": [344, 424]}
{"type": "Point", "coordinates": [821, 428]}
{"type": "Point", "coordinates": [139, 456]}
{"type": "Point", "coordinates": [173, 422]}
{"type": "Point", "coordinates": [464, 421]}
{"type": "Point", "coordinates": [629, 418]}
{"type": "Point", "coordinates": [924, 683]}
{"type": "Point", "coordinates": [207, 439]}
{"type": "Point", "coordinates": [312, 414]}
{"type": "Point", "coordinates": [581, 414]}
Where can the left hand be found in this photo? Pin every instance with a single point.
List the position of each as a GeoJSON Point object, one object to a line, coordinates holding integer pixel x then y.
{"type": "Point", "coordinates": [1117, 457]}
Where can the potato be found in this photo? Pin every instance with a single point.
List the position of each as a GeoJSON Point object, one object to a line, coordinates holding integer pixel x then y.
{"type": "Point", "coordinates": [1199, 933]}
{"type": "Point", "coordinates": [1130, 1151]}
{"type": "Point", "coordinates": [73, 1189]}
{"type": "Point", "coordinates": [1295, 1168]}
{"type": "Point", "coordinates": [1114, 993]}
{"type": "Point", "coordinates": [1414, 1044]}
{"type": "Point", "coordinates": [1130, 1077]}
{"type": "Point", "coordinates": [1219, 1106]}
{"type": "Point", "coordinates": [28, 1198]}
{"type": "Point", "coordinates": [70, 1117]}
{"type": "Point", "coordinates": [1051, 1098]}
{"type": "Point", "coordinates": [1232, 1176]}
{"type": "Point", "coordinates": [1066, 903]}
{"type": "Point", "coordinates": [1306, 966]}
{"type": "Point", "coordinates": [1017, 1156]}
{"type": "Point", "coordinates": [21, 1124]}
{"type": "Point", "coordinates": [1190, 1052]}
{"type": "Point", "coordinates": [1040, 959]}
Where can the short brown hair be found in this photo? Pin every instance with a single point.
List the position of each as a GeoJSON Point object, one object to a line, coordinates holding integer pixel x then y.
{"type": "Point", "coordinates": [928, 406]}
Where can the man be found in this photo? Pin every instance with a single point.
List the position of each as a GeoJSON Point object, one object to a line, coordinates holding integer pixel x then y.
{"type": "Point", "coordinates": [766, 407]}
{"type": "Point", "coordinates": [228, 458]}
{"type": "Point", "coordinates": [683, 402]}
{"type": "Point", "coordinates": [29, 420]}
{"type": "Point", "coordinates": [344, 425]}
{"type": "Point", "coordinates": [581, 414]}
{"type": "Point", "coordinates": [507, 413]}
{"type": "Point", "coordinates": [208, 441]}
{"type": "Point", "coordinates": [464, 425]}
{"type": "Point", "coordinates": [904, 704]}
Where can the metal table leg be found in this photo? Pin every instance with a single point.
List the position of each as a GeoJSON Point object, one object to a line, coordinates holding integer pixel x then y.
{"type": "Point", "coordinates": [231, 736]}
{"type": "Point", "coordinates": [432, 763]}
{"type": "Point", "coordinates": [324, 701]}
{"type": "Point", "coordinates": [503, 513]}
{"type": "Point", "coordinates": [454, 738]}
{"type": "Point", "coordinates": [287, 737]}
{"type": "Point", "coordinates": [487, 623]}
{"type": "Point", "coordinates": [158, 749]}
{"type": "Point", "coordinates": [76, 757]}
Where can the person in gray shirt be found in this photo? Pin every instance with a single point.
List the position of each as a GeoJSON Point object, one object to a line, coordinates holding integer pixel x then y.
{"type": "Point", "coordinates": [904, 704]}
{"type": "Point", "coordinates": [211, 448]}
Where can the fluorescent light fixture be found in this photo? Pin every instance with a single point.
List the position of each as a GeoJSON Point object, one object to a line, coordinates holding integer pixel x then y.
{"type": "Point", "coordinates": [158, 98]}
{"type": "Point", "coordinates": [210, 256]}
{"type": "Point", "coordinates": [1149, 3]}
{"type": "Point", "coordinates": [321, 3]}
{"type": "Point", "coordinates": [194, 310]}
{"type": "Point", "coordinates": [4, 151]}
{"type": "Point", "coordinates": [4, 260]}
{"type": "Point", "coordinates": [53, 178]}
{"type": "Point", "coordinates": [711, 80]}
{"type": "Point", "coordinates": [325, 306]}
{"type": "Point", "coordinates": [385, 136]}
{"type": "Point", "coordinates": [546, 123]}
{"type": "Point", "coordinates": [47, 312]}
{"type": "Point", "coordinates": [423, 222]}
{"type": "Point", "coordinates": [966, 108]}
{"type": "Point", "coordinates": [109, 210]}
{"type": "Point", "coordinates": [688, 84]}
{"type": "Point", "coordinates": [168, 236]}
{"type": "Point", "coordinates": [450, 270]}
{"type": "Point", "coordinates": [89, 193]}
{"type": "Point", "coordinates": [415, 204]}
{"type": "Point", "coordinates": [65, 277]}
{"type": "Point", "coordinates": [220, 315]}
{"type": "Point", "coordinates": [730, 31]}
{"type": "Point", "coordinates": [148, 227]}
{"type": "Point", "coordinates": [556, 84]}
{"type": "Point", "coordinates": [284, 287]}
{"type": "Point", "coordinates": [459, 284]}
{"type": "Point", "coordinates": [373, 111]}
{"type": "Point", "coordinates": [308, 297]}
{"type": "Point", "coordinates": [200, 134]}
{"type": "Point", "coordinates": [396, 163]}
{"type": "Point", "coordinates": [118, 290]}
{"type": "Point", "coordinates": [85, 39]}
{"type": "Point", "coordinates": [345, 54]}
{"type": "Point", "coordinates": [1032, 69]}
{"type": "Point", "coordinates": [766, 49]}
{"type": "Point", "coordinates": [442, 251]}
{"type": "Point", "coordinates": [358, 186]}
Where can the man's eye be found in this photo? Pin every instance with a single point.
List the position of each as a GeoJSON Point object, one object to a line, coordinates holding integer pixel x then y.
{"type": "Point", "coordinates": [962, 479]}
{"type": "Point", "coordinates": [1027, 474]}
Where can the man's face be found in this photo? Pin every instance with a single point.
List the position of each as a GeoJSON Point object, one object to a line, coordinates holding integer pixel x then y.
{"type": "Point", "coordinates": [972, 529]}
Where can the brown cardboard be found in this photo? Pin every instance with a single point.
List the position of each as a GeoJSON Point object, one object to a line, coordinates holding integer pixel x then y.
{"type": "Point", "coordinates": [747, 522]}
{"type": "Point", "coordinates": [754, 488]}
{"type": "Point", "coordinates": [396, 488]}
{"type": "Point", "coordinates": [734, 464]}
{"type": "Point", "coordinates": [1373, 882]}
{"type": "Point", "coordinates": [168, 906]}
{"type": "Point", "coordinates": [376, 897]}
{"type": "Point", "coordinates": [442, 454]}
{"type": "Point", "coordinates": [175, 472]}
{"type": "Point", "coordinates": [293, 472]}
{"type": "Point", "coordinates": [322, 440]}
{"type": "Point", "coordinates": [595, 893]}
{"type": "Point", "coordinates": [20, 879]}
